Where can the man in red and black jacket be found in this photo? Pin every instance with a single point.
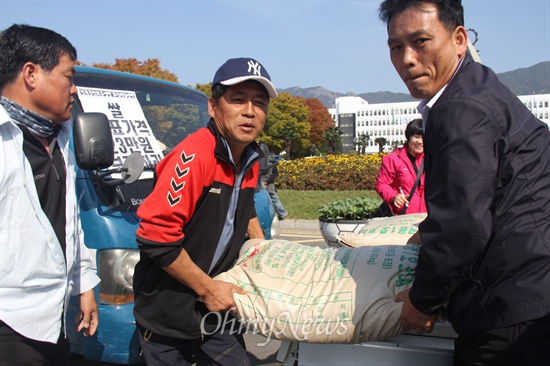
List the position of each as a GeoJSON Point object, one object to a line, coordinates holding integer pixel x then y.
{"type": "Point", "coordinates": [194, 223]}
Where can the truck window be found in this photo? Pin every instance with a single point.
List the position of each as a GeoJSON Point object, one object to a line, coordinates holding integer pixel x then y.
{"type": "Point", "coordinates": [172, 112]}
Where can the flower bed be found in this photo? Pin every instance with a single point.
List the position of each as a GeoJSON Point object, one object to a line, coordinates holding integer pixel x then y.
{"type": "Point", "coordinates": [330, 173]}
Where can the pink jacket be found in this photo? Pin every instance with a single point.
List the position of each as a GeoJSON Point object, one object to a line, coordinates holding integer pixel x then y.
{"type": "Point", "coordinates": [397, 171]}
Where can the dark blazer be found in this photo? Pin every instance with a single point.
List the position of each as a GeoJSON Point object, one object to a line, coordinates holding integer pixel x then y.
{"type": "Point", "coordinates": [485, 258]}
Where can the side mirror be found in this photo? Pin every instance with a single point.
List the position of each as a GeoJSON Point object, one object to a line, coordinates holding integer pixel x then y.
{"type": "Point", "coordinates": [94, 149]}
{"type": "Point", "coordinates": [93, 142]}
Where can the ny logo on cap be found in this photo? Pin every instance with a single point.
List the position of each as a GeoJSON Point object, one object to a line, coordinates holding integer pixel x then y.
{"type": "Point", "coordinates": [256, 66]}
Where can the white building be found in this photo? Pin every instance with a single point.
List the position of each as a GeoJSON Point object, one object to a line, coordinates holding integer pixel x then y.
{"type": "Point", "coordinates": [355, 116]}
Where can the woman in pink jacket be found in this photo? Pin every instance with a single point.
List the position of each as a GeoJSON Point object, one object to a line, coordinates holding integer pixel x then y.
{"type": "Point", "coordinates": [398, 171]}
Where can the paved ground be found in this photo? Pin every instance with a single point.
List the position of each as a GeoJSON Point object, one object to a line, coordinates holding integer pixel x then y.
{"type": "Point", "coordinates": [261, 351]}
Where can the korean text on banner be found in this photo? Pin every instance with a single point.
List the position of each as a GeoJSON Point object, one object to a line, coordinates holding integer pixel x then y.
{"type": "Point", "coordinates": [130, 129]}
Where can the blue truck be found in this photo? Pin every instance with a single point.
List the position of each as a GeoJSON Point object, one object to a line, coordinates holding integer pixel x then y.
{"type": "Point", "coordinates": [123, 125]}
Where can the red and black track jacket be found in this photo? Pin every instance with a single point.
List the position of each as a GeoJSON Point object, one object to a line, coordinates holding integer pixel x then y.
{"type": "Point", "coordinates": [187, 209]}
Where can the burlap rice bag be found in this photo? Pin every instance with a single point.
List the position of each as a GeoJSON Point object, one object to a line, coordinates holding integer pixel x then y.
{"type": "Point", "coordinates": [383, 231]}
{"type": "Point", "coordinates": [304, 293]}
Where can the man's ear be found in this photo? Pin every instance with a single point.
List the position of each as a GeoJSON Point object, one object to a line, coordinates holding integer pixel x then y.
{"type": "Point", "coordinates": [211, 106]}
{"type": "Point", "coordinates": [460, 38]}
{"type": "Point", "coordinates": [30, 74]}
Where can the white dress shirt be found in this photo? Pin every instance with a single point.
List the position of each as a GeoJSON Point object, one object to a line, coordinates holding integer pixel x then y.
{"type": "Point", "coordinates": [36, 281]}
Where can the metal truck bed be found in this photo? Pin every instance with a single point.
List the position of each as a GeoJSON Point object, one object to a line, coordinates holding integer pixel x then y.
{"type": "Point", "coordinates": [409, 349]}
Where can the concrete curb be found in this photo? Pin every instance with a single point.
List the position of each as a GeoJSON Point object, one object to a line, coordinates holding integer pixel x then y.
{"type": "Point", "coordinates": [304, 227]}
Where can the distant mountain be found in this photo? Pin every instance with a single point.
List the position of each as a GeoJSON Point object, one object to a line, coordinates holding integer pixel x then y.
{"type": "Point", "coordinates": [525, 81]}
{"type": "Point", "coordinates": [386, 97]}
{"type": "Point", "coordinates": [325, 96]}
{"type": "Point", "coordinates": [530, 80]}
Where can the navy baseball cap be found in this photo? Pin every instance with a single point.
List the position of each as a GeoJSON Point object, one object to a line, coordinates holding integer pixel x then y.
{"type": "Point", "coordinates": [237, 70]}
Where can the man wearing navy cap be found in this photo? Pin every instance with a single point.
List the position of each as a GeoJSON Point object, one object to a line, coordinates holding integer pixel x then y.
{"type": "Point", "coordinates": [194, 223]}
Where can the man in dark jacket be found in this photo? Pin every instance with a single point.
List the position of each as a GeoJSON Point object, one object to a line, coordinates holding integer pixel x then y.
{"type": "Point", "coordinates": [194, 223]}
{"type": "Point", "coordinates": [485, 254]}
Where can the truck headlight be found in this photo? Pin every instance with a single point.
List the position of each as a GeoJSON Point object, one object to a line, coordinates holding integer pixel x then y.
{"type": "Point", "coordinates": [116, 270]}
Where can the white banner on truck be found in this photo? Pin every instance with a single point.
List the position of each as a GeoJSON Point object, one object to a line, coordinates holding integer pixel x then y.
{"type": "Point", "coordinates": [130, 129]}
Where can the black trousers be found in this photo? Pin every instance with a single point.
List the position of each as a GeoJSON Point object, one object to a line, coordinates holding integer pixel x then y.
{"type": "Point", "coordinates": [524, 344]}
{"type": "Point", "coordinates": [16, 350]}
{"type": "Point", "coordinates": [219, 349]}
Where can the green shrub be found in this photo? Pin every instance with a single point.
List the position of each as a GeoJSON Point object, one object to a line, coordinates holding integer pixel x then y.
{"type": "Point", "coordinates": [356, 208]}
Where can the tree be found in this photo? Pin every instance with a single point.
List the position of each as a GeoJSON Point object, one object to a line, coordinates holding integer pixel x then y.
{"type": "Point", "coordinates": [381, 141]}
{"type": "Point", "coordinates": [319, 119]}
{"type": "Point", "coordinates": [150, 67]}
{"type": "Point", "coordinates": [205, 88]}
{"type": "Point", "coordinates": [314, 150]}
{"type": "Point", "coordinates": [395, 145]}
{"type": "Point", "coordinates": [286, 128]}
{"type": "Point", "coordinates": [361, 142]}
{"type": "Point", "coordinates": [288, 136]}
{"type": "Point", "coordinates": [333, 136]}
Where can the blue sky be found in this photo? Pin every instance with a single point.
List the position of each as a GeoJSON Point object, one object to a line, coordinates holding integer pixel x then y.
{"type": "Point", "coordinates": [340, 45]}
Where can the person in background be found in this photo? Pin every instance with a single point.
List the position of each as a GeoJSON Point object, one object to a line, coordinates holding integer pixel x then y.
{"type": "Point", "coordinates": [194, 223]}
{"type": "Point", "coordinates": [485, 255]}
{"type": "Point", "coordinates": [268, 175]}
{"type": "Point", "coordinates": [43, 259]}
{"type": "Point", "coordinates": [398, 173]}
